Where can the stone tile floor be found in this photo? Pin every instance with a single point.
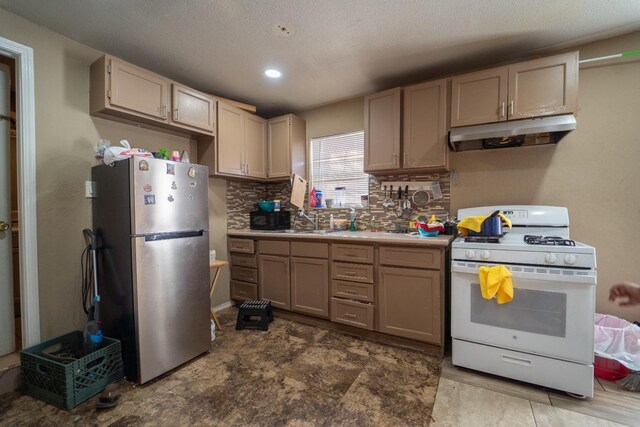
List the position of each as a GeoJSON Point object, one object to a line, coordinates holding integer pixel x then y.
{"type": "Point", "coordinates": [301, 375]}
{"type": "Point", "coordinates": [293, 374]}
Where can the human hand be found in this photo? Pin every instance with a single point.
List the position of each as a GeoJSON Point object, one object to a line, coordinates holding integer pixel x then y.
{"type": "Point", "coordinates": [628, 290]}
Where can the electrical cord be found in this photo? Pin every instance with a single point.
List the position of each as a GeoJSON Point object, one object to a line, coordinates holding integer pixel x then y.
{"type": "Point", "coordinates": [86, 271]}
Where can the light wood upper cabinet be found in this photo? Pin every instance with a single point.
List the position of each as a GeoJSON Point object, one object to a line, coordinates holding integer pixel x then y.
{"type": "Point", "coordinates": [255, 146]}
{"type": "Point", "coordinates": [544, 87]}
{"type": "Point", "coordinates": [192, 109]}
{"type": "Point", "coordinates": [424, 140]}
{"type": "Point", "coordinates": [410, 139]}
{"type": "Point", "coordinates": [382, 128]}
{"type": "Point", "coordinates": [479, 97]}
{"type": "Point", "coordinates": [230, 142]}
{"type": "Point", "coordinates": [286, 153]}
{"type": "Point", "coordinates": [241, 143]}
{"type": "Point", "coordinates": [536, 88]}
{"type": "Point", "coordinates": [128, 91]}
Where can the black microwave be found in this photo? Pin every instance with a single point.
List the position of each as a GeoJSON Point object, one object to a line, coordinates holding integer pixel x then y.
{"type": "Point", "coordinates": [270, 220]}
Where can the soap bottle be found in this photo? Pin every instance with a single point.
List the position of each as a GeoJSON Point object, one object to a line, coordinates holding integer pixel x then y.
{"type": "Point", "coordinates": [332, 224]}
{"type": "Point", "coordinates": [374, 224]}
{"type": "Point", "coordinates": [312, 198]}
{"type": "Point", "coordinates": [318, 198]}
{"type": "Point", "coordinates": [353, 226]}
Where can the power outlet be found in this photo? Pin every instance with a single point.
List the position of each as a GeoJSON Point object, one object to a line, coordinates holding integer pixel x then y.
{"type": "Point", "coordinates": [90, 189]}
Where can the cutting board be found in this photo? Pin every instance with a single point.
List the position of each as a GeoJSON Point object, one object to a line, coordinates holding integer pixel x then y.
{"type": "Point", "coordinates": [298, 190]}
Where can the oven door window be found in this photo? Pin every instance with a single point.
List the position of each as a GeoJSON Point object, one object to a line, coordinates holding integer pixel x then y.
{"type": "Point", "coordinates": [535, 311]}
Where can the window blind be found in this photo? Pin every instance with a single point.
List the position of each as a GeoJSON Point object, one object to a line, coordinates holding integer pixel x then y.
{"type": "Point", "coordinates": [338, 161]}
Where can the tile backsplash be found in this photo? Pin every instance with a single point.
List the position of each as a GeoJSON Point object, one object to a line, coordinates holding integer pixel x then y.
{"type": "Point", "coordinates": [242, 197]}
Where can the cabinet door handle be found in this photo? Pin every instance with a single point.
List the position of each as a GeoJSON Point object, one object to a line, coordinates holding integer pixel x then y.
{"type": "Point", "coordinates": [405, 159]}
{"type": "Point", "coordinates": [164, 111]}
{"type": "Point", "coordinates": [395, 159]}
{"type": "Point", "coordinates": [511, 108]}
{"type": "Point", "coordinates": [176, 115]}
{"type": "Point", "coordinates": [248, 168]}
{"type": "Point", "coordinates": [502, 109]}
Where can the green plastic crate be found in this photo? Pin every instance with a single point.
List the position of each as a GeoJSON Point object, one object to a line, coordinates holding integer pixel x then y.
{"type": "Point", "coordinates": [66, 385]}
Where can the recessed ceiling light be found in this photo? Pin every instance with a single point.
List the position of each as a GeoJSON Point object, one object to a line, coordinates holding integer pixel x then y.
{"type": "Point", "coordinates": [274, 74]}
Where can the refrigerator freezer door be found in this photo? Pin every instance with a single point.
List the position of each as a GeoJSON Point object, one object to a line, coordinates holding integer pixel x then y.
{"type": "Point", "coordinates": [168, 196]}
{"type": "Point", "coordinates": [171, 293]}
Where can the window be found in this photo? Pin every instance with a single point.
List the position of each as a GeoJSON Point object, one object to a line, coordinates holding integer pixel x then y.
{"type": "Point", "coordinates": [338, 161]}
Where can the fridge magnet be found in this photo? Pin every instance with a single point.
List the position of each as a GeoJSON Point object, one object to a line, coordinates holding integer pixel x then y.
{"type": "Point", "coordinates": [174, 186]}
{"type": "Point", "coordinates": [171, 169]}
{"type": "Point", "coordinates": [147, 188]}
{"type": "Point", "coordinates": [190, 197]}
{"type": "Point", "coordinates": [149, 199]}
{"type": "Point", "coordinates": [143, 165]}
{"type": "Point", "coordinates": [192, 184]}
{"type": "Point", "coordinates": [192, 172]}
{"type": "Point", "coordinates": [170, 198]}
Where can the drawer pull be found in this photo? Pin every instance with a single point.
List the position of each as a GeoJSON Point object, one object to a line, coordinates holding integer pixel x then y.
{"type": "Point", "coordinates": [516, 360]}
{"type": "Point", "coordinates": [242, 292]}
{"type": "Point", "coordinates": [350, 254]}
{"type": "Point", "coordinates": [349, 291]}
{"type": "Point", "coordinates": [350, 273]}
{"type": "Point", "coordinates": [352, 316]}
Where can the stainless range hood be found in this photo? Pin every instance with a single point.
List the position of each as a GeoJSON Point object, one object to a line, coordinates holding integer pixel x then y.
{"type": "Point", "coordinates": [516, 133]}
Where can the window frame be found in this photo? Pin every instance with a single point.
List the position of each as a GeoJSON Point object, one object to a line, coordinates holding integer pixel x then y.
{"type": "Point", "coordinates": [309, 168]}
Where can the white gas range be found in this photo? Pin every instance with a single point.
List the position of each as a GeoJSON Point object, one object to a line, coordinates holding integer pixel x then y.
{"type": "Point", "coordinates": [545, 334]}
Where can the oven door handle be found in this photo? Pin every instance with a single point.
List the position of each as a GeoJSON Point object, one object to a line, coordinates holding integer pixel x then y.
{"type": "Point", "coordinates": [533, 273]}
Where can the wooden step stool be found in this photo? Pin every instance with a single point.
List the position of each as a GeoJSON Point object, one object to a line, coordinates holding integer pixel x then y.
{"type": "Point", "coordinates": [254, 308]}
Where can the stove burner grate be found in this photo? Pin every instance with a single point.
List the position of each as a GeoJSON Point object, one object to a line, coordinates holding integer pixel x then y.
{"type": "Point", "coordinates": [483, 239]}
{"type": "Point", "coordinates": [548, 240]}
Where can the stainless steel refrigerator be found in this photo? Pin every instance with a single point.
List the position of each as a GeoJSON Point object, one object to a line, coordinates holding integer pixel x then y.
{"type": "Point", "coordinates": [151, 218]}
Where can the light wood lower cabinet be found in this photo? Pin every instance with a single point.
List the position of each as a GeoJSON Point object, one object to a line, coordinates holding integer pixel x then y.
{"type": "Point", "coordinates": [409, 303]}
{"type": "Point", "coordinates": [310, 286]}
{"type": "Point", "coordinates": [274, 280]}
{"type": "Point", "coordinates": [352, 313]}
{"type": "Point", "coordinates": [243, 291]}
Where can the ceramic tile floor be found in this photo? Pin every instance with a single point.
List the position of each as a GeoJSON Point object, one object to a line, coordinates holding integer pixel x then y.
{"type": "Point", "coordinates": [469, 398]}
{"type": "Point", "coordinates": [293, 374]}
{"type": "Point", "coordinates": [301, 375]}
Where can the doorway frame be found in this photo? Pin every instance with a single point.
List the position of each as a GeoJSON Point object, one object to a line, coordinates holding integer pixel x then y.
{"type": "Point", "coordinates": [26, 152]}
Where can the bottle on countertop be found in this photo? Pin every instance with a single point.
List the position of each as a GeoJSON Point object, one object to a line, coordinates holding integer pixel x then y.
{"type": "Point", "coordinates": [374, 224]}
{"type": "Point", "coordinates": [352, 222]}
{"type": "Point", "coordinates": [318, 198]}
{"type": "Point", "coordinates": [332, 224]}
{"type": "Point", "coordinates": [312, 198]}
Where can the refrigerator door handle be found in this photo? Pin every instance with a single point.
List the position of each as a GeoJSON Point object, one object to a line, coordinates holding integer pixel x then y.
{"type": "Point", "coordinates": [170, 235]}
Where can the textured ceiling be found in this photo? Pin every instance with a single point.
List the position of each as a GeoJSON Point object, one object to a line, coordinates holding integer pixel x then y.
{"type": "Point", "coordinates": [339, 48]}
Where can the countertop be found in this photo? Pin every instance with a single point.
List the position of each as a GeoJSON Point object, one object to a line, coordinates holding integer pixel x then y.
{"type": "Point", "coordinates": [440, 241]}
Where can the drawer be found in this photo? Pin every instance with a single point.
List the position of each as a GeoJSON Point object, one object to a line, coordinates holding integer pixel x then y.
{"type": "Point", "coordinates": [246, 246]}
{"type": "Point", "coordinates": [310, 249]}
{"type": "Point", "coordinates": [242, 260]}
{"type": "Point", "coordinates": [352, 272]}
{"type": "Point", "coordinates": [273, 247]}
{"type": "Point", "coordinates": [352, 313]}
{"type": "Point", "coordinates": [352, 253]}
{"type": "Point", "coordinates": [411, 257]}
{"type": "Point", "coordinates": [352, 290]}
{"type": "Point", "coordinates": [243, 291]}
{"type": "Point", "coordinates": [245, 274]}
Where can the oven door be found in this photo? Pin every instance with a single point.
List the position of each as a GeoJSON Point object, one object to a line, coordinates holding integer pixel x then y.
{"type": "Point", "coordinates": [551, 314]}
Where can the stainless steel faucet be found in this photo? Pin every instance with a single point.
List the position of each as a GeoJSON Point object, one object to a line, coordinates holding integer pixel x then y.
{"type": "Point", "coordinates": [314, 221]}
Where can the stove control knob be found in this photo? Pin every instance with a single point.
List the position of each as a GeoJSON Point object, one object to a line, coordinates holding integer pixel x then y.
{"type": "Point", "coordinates": [470, 254]}
{"type": "Point", "coordinates": [570, 259]}
{"type": "Point", "coordinates": [551, 258]}
{"type": "Point", "coordinates": [485, 254]}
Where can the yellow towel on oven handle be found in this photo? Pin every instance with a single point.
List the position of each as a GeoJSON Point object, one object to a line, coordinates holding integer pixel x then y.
{"type": "Point", "coordinates": [496, 282]}
{"type": "Point", "coordinates": [474, 223]}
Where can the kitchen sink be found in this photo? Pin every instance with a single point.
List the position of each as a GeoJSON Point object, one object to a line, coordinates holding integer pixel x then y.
{"type": "Point", "coordinates": [307, 231]}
